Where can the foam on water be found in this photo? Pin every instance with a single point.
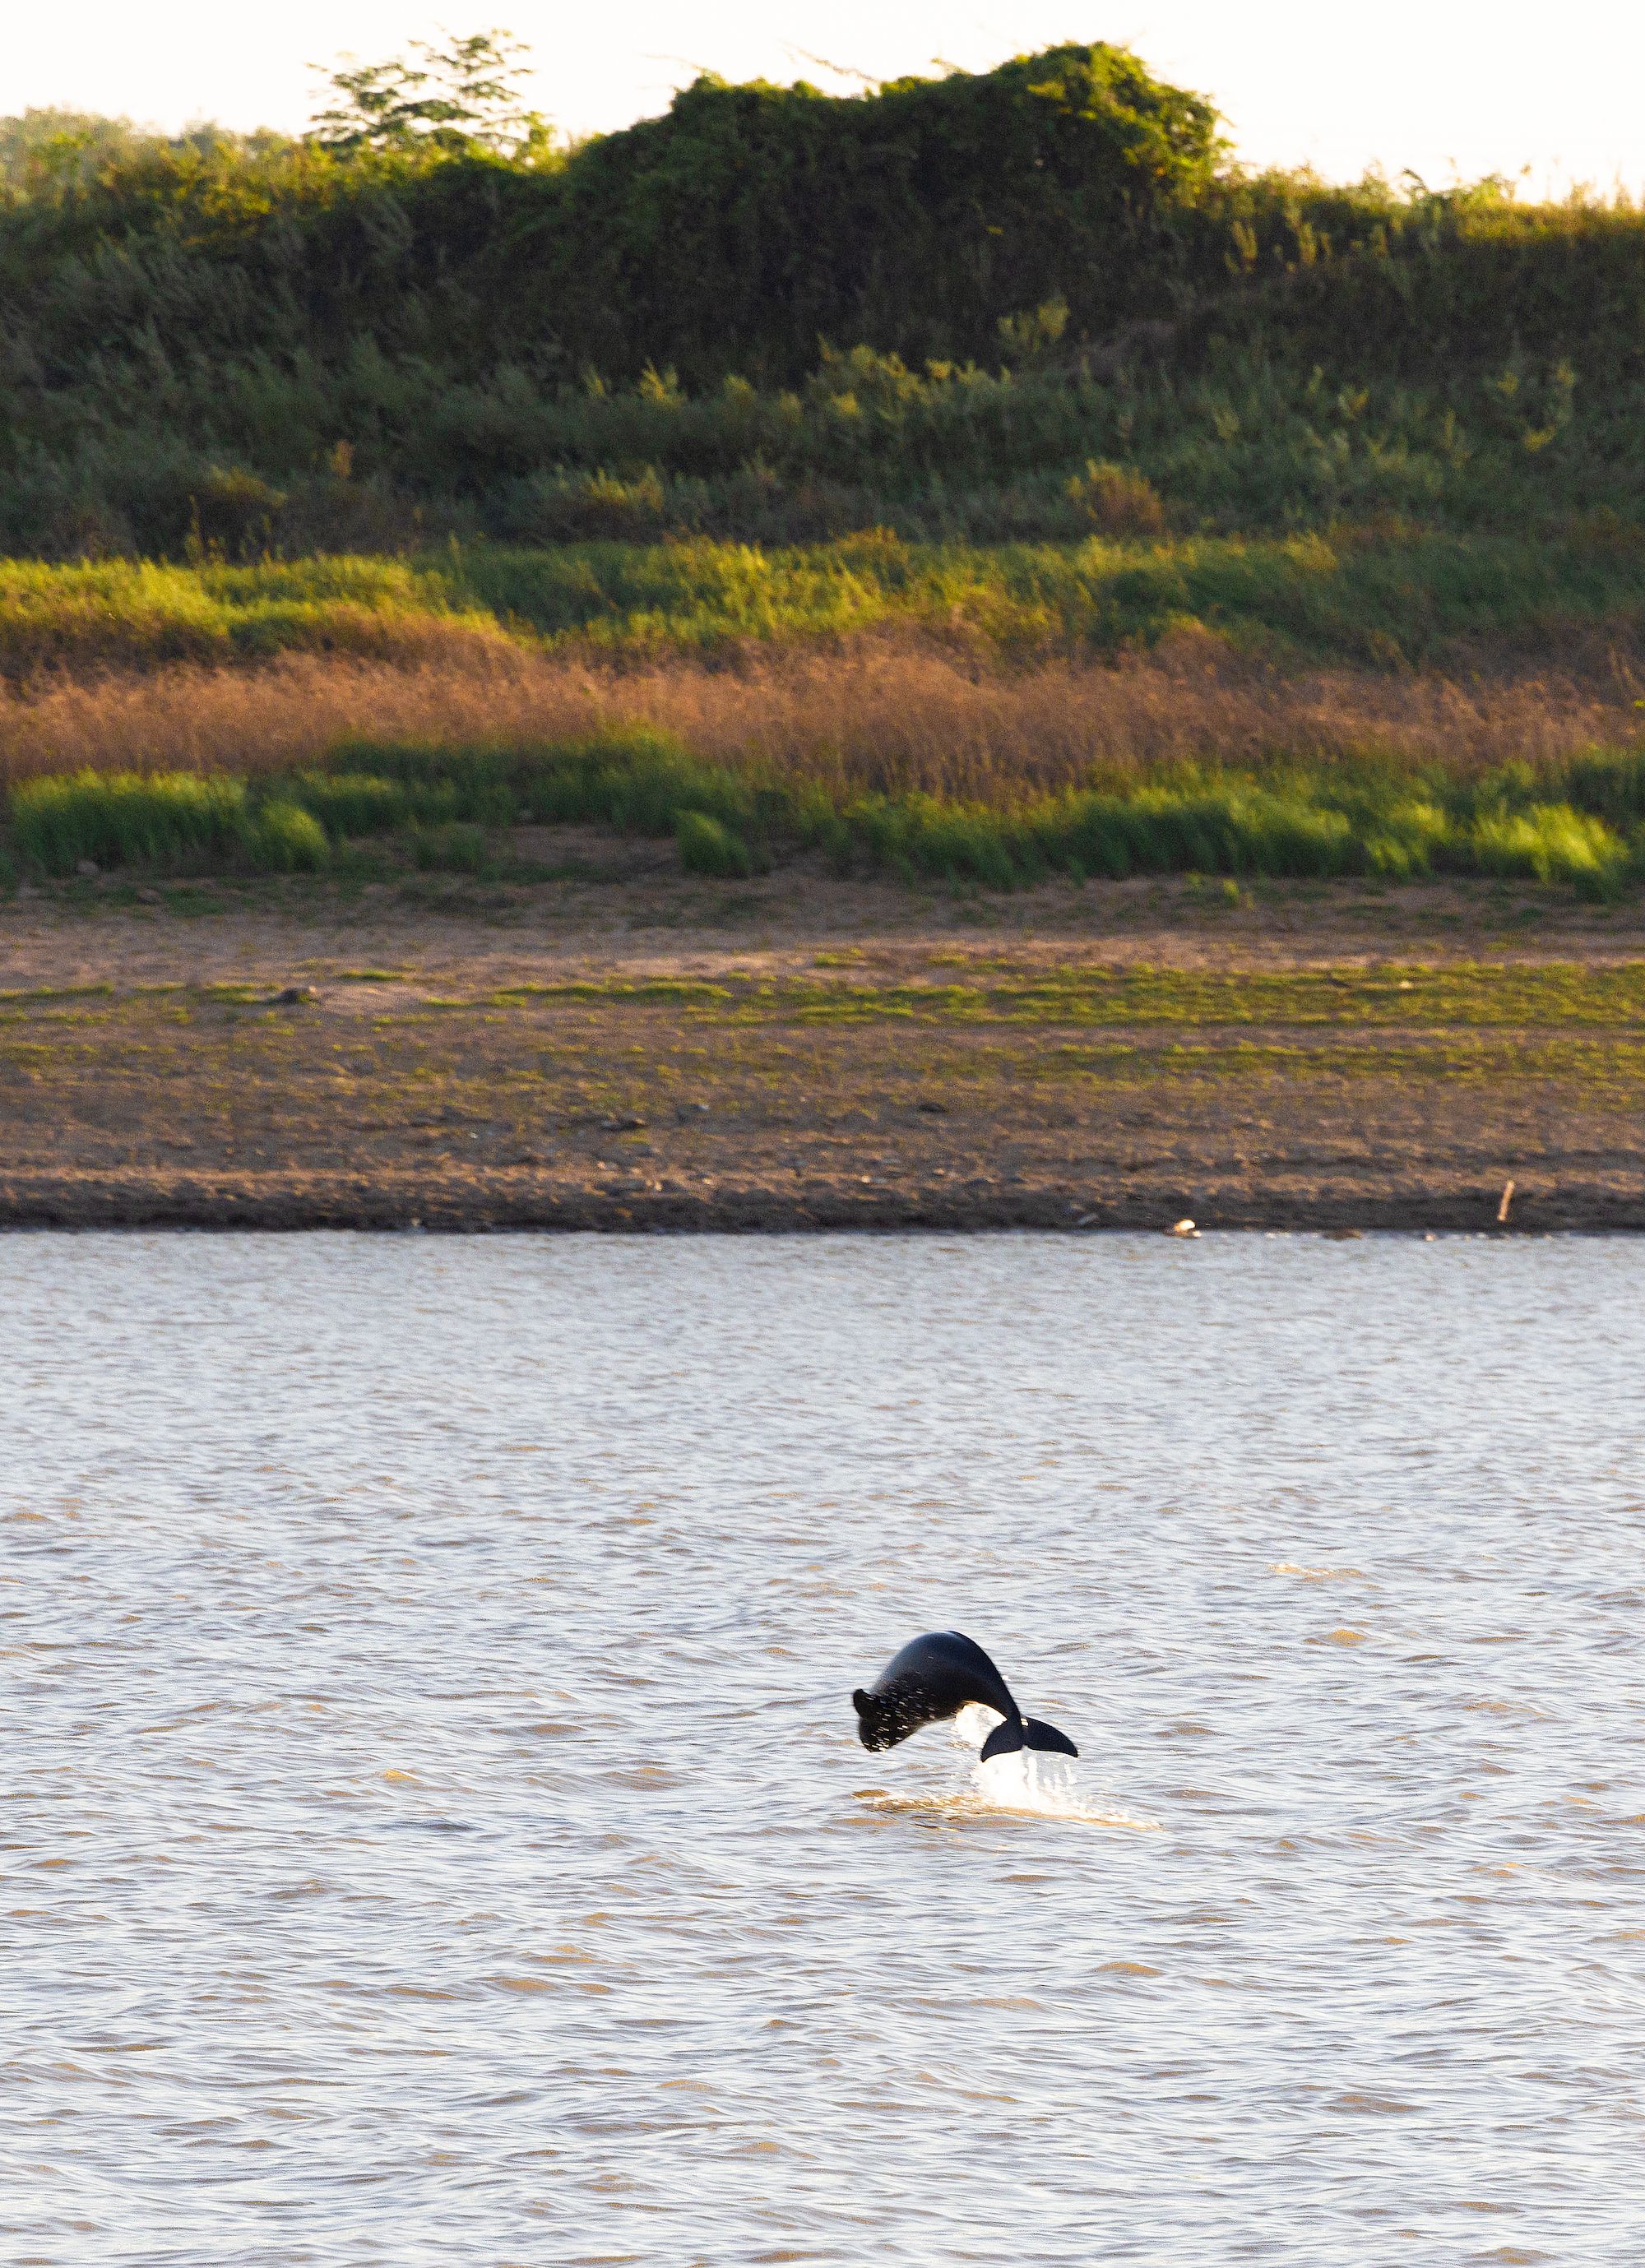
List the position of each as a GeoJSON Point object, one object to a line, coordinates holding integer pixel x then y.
{"type": "Point", "coordinates": [1027, 1783]}
{"type": "Point", "coordinates": [1029, 1801]}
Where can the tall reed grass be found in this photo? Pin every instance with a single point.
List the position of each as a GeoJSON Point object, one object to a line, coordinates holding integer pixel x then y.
{"type": "Point", "coordinates": [890, 712]}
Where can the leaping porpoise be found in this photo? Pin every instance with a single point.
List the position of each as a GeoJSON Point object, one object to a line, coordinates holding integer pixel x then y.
{"type": "Point", "coordinates": [934, 1678]}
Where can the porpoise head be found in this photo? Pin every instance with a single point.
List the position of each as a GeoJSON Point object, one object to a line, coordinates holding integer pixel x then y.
{"type": "Point", "coordinates": [876, 1727]}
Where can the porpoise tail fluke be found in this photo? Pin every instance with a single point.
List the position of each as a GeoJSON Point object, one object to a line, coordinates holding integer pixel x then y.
{"type": "Point", "coordinates": [1030, 1732]}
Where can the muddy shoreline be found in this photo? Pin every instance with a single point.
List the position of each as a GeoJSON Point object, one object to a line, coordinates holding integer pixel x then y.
{"type": "Point", "coordinates": [267, 1204]}
{"type": "Point", "coordinates": [654, 1056]}
{"type": "Point", "coordinates": [118, 1207]}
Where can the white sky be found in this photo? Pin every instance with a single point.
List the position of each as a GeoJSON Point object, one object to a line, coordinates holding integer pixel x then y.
{"type": "Point", "coordinates": [1451, 86]}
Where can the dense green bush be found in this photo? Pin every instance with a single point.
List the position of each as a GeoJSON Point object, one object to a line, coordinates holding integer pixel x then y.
{"type": "Point", "coordinates": [283, 839]}
{"type": "Point", "coordinates": [759, 219]}
{"type": "Point", "coordinates": [1018, 304]}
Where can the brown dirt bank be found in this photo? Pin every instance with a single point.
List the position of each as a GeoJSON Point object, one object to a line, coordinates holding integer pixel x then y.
{"type": "Point", "coordinates": [639, 1051]}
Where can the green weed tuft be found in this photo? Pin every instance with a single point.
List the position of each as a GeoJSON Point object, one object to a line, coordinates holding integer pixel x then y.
{"type": "Point", "coordinates": [1550, 842]}
{"type": "Point", "coordinates": [707, 846]}
{"type": "Point", "coordinates": [283, 839]}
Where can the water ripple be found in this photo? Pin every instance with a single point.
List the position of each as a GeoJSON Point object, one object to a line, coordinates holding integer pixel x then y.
{"type": "Point", "coordinates": [433, 1827]}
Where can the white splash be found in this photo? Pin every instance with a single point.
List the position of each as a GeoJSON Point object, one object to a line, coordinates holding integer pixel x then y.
{"type": "Point", "coordinates": [1031, 1781]}
{"type": "Point", "coordinates": [1028, 1784]}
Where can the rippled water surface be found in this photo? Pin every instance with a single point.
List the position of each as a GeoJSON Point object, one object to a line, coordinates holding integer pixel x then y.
{"type": "Point", "coordinates": [435, 1829]}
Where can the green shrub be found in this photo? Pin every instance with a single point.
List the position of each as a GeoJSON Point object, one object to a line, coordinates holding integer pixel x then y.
{"type": "Point", "coordinates": [383, 782]}
{"type": "Point", "coordinates": [283, 839]}
{"type": "Point", "coordinates": [709, 847]}
{"type": "Point", "coordinates": [570, 506]}
{"type": "Point", "coordinates": [1116, 500]}
{"type": "Point", "coordinates": [633, 777]}
{"type": "Point", "coordinates": [1610, 783]}
{"type": "Point", "coordinates": [1549, 841]}
{"type": "Point", "coordinates": [1061, 317]}
{"type": "Point", "coordinates": [1403, 842]}
{"type": "Point", "coordinates": [234, 509]}
{"type": "Point", "coordinates": [359, 803]}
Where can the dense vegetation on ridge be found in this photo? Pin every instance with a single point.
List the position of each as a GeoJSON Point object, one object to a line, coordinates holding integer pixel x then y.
{"type": "Point", "coordinates": [1033, 303]}
{"type": "Point", "coordinates": [373, 497]}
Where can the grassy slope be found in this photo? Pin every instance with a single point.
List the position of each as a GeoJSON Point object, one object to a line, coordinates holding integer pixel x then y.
{"type": "Point", "coordinates": [1399, 597]}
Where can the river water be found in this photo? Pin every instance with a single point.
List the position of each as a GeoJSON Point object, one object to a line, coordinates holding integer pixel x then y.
{"type": "Point", "coordinates": [434, 1830]}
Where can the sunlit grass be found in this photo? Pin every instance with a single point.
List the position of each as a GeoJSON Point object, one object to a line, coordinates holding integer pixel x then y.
{"type": "Point", "coordinates": [450, 809]}
{"type": "Point", "coordinates": [1324, 596]}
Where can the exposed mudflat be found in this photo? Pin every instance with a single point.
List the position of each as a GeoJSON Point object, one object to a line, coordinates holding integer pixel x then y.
{"type": "Point", "coordinates": [628, 1050]}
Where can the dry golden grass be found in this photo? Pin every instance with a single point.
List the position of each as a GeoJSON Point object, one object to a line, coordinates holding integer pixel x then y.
{"type": "Point", "coordinates": [882, 712]}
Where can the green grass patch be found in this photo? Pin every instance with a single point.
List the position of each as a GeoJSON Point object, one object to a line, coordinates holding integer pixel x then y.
{"type": "Point", "coordinates": [708, 846]}
{"type": "Point", "coordinates": [159, 820]}
{"type": "Point", "coordinates": [1474, 995]}
{"type": "Point", "coordinates": [406, 808]}
{"type": "Point", "coordinates": [1508, 1063]}
{"type": "Point", "coordinates": [664, 992]}
{"type": "Point", "coordinates": [1327, 593]}
{"type": "Point", "coordinates": [125, 819]}
{"type": "Point", "coordinates": [1402, 1000]}
{"type": "Point", "coordinates": [1580, 823]}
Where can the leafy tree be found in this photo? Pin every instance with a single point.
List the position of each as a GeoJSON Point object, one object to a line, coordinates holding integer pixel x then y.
{"type": "Point", "coordinates": [464, 95]}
